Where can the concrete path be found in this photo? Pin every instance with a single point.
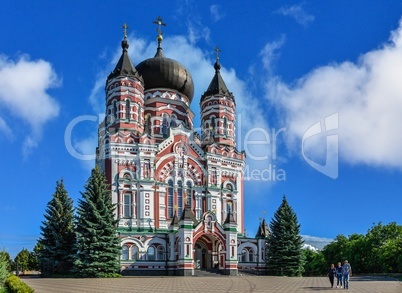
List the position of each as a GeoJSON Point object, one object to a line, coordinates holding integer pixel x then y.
{"type": "Point", "coordinates": [210, 284]}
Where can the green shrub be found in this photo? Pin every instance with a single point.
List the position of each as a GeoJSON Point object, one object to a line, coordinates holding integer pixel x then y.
{"type": "Point", "coordinates": [15, 285]}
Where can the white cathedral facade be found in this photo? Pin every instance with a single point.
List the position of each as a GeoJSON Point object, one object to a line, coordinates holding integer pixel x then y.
{"type": "Point", "coordinates": [179, 195]}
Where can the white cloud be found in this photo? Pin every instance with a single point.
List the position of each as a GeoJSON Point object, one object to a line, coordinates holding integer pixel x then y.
{"type": "Point", "coordinates": [216, 13]}
{"type": "Point", "coordinates": [298, 13]}
{"type": "Point", "coordinates": [367, 96]}
{"type": "Point", "coordinates": [315, 241]}
{"type": "Point", "coordinates": [23, 92]}
{"type": "Point", "coordinates": [270, 53]}
{"type": "Point", "coordinates": [5, 129]}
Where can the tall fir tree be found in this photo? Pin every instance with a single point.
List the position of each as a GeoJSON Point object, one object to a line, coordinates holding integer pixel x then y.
{"type": "Point", "coordinates": [57, 240]}
{"type": "Point", "coordinates": [98, 246]}
{"type": "Point", "coordinates": [284, 255]}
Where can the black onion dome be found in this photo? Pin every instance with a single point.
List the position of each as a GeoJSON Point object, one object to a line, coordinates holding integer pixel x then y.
{"type": "Point", "coordinates": [161, 72]}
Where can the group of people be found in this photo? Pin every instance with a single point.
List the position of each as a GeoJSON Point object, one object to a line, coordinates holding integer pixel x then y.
{"type": "Point", "coordinates": [342, 274]}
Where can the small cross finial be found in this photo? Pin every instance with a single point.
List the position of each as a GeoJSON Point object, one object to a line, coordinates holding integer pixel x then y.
{"type": "Point", "coordinates": [125, 28]}
{"type": "Point", "coordinates": [263, 214]}
{"type": "Point", "coordinates": [159, 22]}
{"type": "Point", "coordinates": [217, 50]}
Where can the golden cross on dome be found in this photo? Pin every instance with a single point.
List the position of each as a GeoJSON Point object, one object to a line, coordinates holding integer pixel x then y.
{"type": "Point", "coordinates": [125, 28]}
{"type": "Point", "coordinates": [217, 50]}
{"type": "Point", "coordinates": [160, 23]}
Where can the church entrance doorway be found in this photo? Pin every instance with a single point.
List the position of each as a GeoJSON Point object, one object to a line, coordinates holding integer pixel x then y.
{"type": "Point", "coordinates": [208, 253]}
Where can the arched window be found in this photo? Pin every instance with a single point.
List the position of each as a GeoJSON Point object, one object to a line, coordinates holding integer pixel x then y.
{"type": "Point", "coordinates": [139, 113]}
{"type": "Point", "coordinates": [160, 253]}
{"type": "Point", "coordinates": [134, 252]}
{"type": "Point", "coordinates": [165, 125]}
{"type": "Point", "coordinates": [229, 206]}
{"type": "Point", "coordinates": [151, 253]}
{"type": "Point", "coordinates": [127, 206]}
{"type": "Point", "coordinates": [170, 199]}
{"type": "Point", "coordinates": [189, 193]}
{"type": "Point", "coordinates": [128, 109]}
{"type": "Point", "coordinates": [148, 125]}
{"type": "Point", "coordinates": [212, 127]}
{"type": "Point", "coordinates": [251, 255]}
{"type": "Point", "coordinates": [179, 198]}
{"type": "Point", "coordinates": [115, 109]}
{"type": "Point", "coordinates": [225, 126]}
{"type": "Point", "coordinates": [173, 122]}
{"type": "Point", "coordinates": [124, 253]}
{"type": "Point", "coordinates": [244, 255]}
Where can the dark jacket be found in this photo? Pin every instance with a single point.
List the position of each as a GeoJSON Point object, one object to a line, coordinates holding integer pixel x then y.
{"type": "Point", "coordinates": [331, 272]}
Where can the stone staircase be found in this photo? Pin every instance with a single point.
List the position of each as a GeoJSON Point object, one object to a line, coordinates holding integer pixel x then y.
{"type": "Point", "coordinates": [208, 273]}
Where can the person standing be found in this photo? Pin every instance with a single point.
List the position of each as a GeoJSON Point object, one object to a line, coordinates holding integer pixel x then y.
{"type": "Point", "coordinates": [339, 276]}
{"type": "Point", "coordinates": [331, 274]}
{"type": "Point", "coordinates": [346, 273]}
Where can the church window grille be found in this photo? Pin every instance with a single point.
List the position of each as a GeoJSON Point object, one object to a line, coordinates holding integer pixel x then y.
{"type": "Point", "coordinates": [160, 253]}
{"type": "Point", "coordinates": [244, 255]}
{"type": "Point", "coordinates": [139, 113]}
{"type": "Point", "coordinates": [213, 177]}
{"type": "Point", "coordinates": [134, 252]}
{"type": "Point", "coordinates": [127, 206]}
{"type": "Point", "coordinates": [212, 127]}
{"type": "Point", "coordinates": [179, 198]}
{"type": "Point", "coordinates": [115, 109]}
{"type": "Point", "coordinates": [225, 126]}
{"type": "Point", "coordinates": [251, 255]}
{"type": "Point", "coordinates": [173, 122]}
{"type": "Point", "coordinates": [151, 253]}
{"type": "Point", "coordinates": [148, 125]}
{"type": "Point", "coordinates": [124, 253]}
{"type": "Point", "coordinates": [128, 108]}
{"type": "Point", "coordinates": [170, 199]}
{"type": "Point", "coordinates": [165, 126]}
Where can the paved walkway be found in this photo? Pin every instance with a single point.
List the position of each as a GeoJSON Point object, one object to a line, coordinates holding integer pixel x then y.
{"type": "Point", "coordinates": [210, 284]}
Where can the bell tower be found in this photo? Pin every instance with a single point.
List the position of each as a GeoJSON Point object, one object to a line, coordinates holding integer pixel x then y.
{"type": "Point", "coordinates": [218, 111]}
{"type": "Point", "coordinates": [125, 95]}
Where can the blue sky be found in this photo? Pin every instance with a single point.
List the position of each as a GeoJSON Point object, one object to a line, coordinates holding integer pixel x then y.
{"type": "Point", "coordinates": [290, 65]}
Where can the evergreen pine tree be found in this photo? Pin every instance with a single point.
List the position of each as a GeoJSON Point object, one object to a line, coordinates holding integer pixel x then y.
{"type": "Point", "coordinates": [98, 247]}
{"type": "Point", "coordinates": [4, 272]}
{"type": "Point", "coordinates": [58, 235]}
{"type": "Point", "coordinates": [284, 255]}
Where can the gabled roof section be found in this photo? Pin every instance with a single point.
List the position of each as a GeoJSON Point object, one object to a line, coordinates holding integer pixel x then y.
{"type": "Point", "coordinates": [217, 85]}
{"type": "Point", "coordinates": [263, 230]}
{"type": "Point", "coordinates": [175, 220]}
{"type": "Point", "coordinates": [124, 67]}
{"type": "Point", "coordinates": [188, 215]}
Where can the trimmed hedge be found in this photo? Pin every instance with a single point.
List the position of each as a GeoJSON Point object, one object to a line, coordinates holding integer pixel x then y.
{"type": "Point", "coordinates": [15, 285]}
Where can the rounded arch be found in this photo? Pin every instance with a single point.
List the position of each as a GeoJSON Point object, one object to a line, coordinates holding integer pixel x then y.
{"type": "Point", "coordinates": [247, 245]}
{"type": "Point", "coordinates": [125, 172]}
{"type": "Point", "coordinates": [130, 240]}
{"type": "Point", "coordinates": [155, 241]}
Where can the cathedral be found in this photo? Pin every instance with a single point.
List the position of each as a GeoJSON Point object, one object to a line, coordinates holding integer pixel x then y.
{"type": "Point", "coordinates": [179, 194]}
